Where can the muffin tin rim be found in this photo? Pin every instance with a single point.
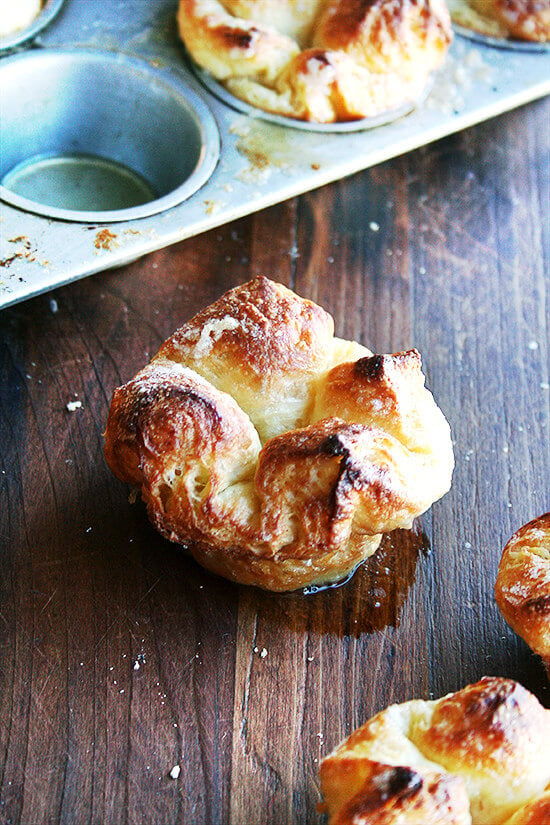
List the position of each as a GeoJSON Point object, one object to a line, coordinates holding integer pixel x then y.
{"type": "Point", "coordinates": [198, 108]}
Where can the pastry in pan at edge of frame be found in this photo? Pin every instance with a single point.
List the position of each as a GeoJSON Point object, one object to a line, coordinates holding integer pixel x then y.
{"type": "Point", "coordinates": [521, 20]}
{"type": "Point", "coordinates": [16, 15]}
{"type": "Point", "coordinates": [522, 588]}
{"type": "Point", "coordinates": [276, 452]}
{"type": "Point", "coordinates": [322, 61]}
{"type": "Point", "coordinates": [480, 756]}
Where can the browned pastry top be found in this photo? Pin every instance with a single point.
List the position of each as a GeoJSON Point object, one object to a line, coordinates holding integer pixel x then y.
{"type": "Point", "coordinates": [275, 451]}
{"type": "Point", "coordinates": [522, 589]}
{"type": "Point", "coordinates": [318, 60]}
{"type": "Point", "coordinates": [479, 756]}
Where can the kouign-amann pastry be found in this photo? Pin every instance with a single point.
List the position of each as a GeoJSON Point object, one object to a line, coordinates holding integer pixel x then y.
{"type": "Point", "coordinates": [480, 756]}
{"type": "Point", "coordinates": [318, 60]}
{"type": "Point", "coordinates": [275, 451]}
{"type": "Point", "coordinates": [527, 20]}
{"type": "Point", "coordinates": [522, 588]}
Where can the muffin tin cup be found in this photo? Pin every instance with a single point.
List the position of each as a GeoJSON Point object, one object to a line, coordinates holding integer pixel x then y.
{"type": "Point", "coordinates": [101, 130]}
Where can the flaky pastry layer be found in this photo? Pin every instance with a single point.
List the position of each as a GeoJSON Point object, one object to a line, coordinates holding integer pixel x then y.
{"type": "Point", "coordinates": [318, 60]}
{"type": "Point", "coordinates": [522, 588]}
{"type": "Point", "coordinates": [480, 756]}
{"type": "Point", "coordinates": [275, 451]}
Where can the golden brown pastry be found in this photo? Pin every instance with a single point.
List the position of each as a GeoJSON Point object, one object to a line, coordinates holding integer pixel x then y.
{"type": "Point", "coordinates": [522, 589]}
{"type": "Point", "coordinates": [275, 451]}
{"type": "Point", "coordinates": [318, 60]}
{"type": "Point", "coordinates": [527, 20]}
{"type": "Point", "coordinates": [480, 755]}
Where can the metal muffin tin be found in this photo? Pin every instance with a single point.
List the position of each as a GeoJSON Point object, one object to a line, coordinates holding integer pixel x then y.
{"type": "Point", "coordinates": [260, 162]}
{"type": "Point", "coordinates": [160, 134]}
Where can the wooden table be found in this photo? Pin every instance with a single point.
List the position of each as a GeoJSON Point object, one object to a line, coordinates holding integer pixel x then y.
{"type": "Point", "coordinates": [120, 657]}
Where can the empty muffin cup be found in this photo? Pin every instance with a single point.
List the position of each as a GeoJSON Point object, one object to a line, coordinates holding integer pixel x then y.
{"type": "Point", "coordinates": [100, 137]}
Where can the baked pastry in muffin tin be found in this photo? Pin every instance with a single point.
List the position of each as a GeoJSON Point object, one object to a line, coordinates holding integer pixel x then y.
{"type": "Point", "coordinates": [524, 21]}
{"type": "Point", "coordinates": [275, 451]}
{"type": "Point", "coordinates": [522, 588]}
{"type": "Point", "coordinates": [322, 61]}
{"type": "Point", "coordinates": [480, 756]}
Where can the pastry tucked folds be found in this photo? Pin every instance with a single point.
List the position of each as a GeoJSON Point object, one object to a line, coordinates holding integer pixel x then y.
{"type": "Point", "coordinates": [480, 756]}
{"type": "Point", "coordinates": [522, 589]}
{"type": "Point", "coordinates": [276, 452]}
{"type": "Point", "coordinates": [318, 60]}
{"type": "Point", "coordinates": [515, 19]}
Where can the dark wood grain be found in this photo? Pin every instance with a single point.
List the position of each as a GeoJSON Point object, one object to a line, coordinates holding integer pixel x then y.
{"type": "Point", "coordinates": [119, 656]}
